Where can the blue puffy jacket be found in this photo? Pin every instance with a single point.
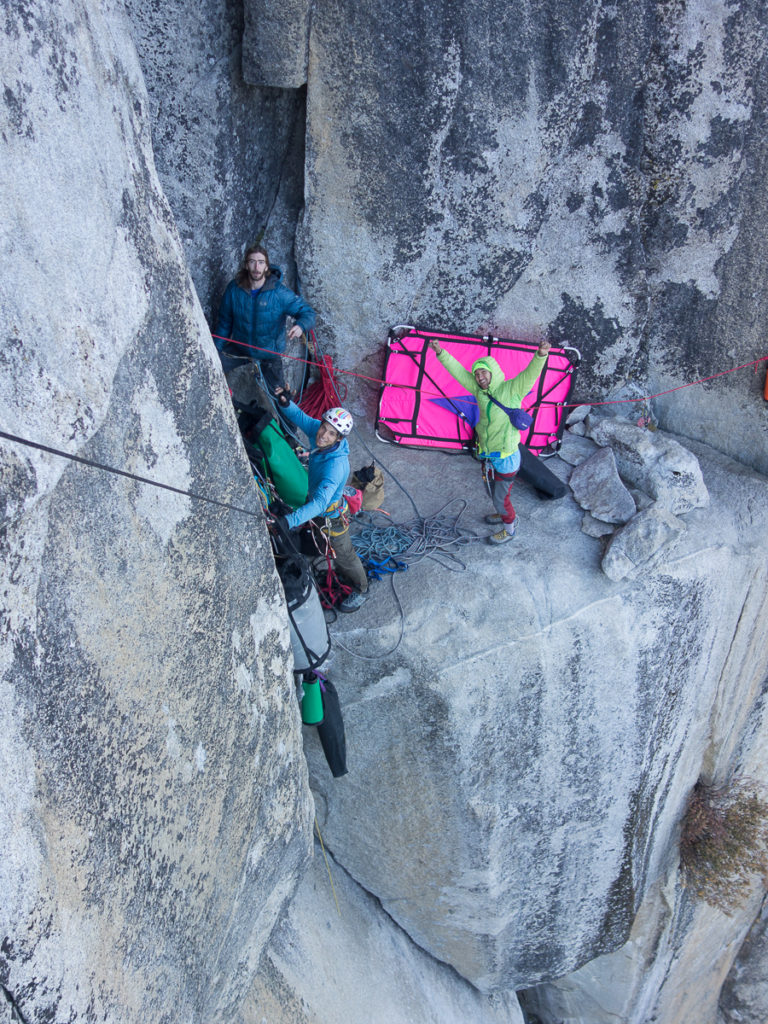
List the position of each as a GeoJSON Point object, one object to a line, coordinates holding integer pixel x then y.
{"type": "Point", "coordinates": [328, 470]}
{"type": "Point", "coordinates": [259, 320]}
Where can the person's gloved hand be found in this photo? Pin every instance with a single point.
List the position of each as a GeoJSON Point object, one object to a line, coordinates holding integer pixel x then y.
{"type": "Point", "coordinates": [283, 396]}
{"type": "Point", "coordinates": [279, 508]}
{"type": "Point", "coordinates": [282, 524]}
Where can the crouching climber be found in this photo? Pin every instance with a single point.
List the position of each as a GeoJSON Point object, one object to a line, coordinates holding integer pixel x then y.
{"type": "Point", "coordinates": [498, 427]}
{"type": "Point", "coordinates": [328, 473]}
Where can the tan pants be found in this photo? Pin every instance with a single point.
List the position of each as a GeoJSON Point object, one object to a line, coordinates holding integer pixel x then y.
{"type": "Point", "coordinates": [347, 561]}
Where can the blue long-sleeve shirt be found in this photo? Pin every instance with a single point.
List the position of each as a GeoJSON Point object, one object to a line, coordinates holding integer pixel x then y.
{"type": "Point", "coordinates": [328, 470]}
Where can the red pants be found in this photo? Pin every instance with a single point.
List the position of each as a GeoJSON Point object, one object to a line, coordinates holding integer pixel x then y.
{"type": "Point", "coordinates": [501, 496]}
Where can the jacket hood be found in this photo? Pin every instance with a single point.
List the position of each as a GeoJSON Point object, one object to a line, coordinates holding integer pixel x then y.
{"type": "Point", "coordinates": [489, 363]}
{"type": "Point", "coordinates": [273, 277]}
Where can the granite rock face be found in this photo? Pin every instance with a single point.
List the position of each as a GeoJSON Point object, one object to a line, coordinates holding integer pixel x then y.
{"type": "Point", "coordinates": [681, 950]}
{"type": "Point", "coordinates": [520, 759]}
{"type": "Point", "coordinates": [337, 956]}
{"type": "Point", "coordinates": [519, 766]}
{"type": "Point", "coordinates": [588, 172]}
{"type": "Point", "coordinates": [674, 941]}
{"type": "Point", "coordinates": [153, 784]}
{"type": "Point", "coordinates": [229, 154]}
{"type": "Point", "coordinates": [745, 993]}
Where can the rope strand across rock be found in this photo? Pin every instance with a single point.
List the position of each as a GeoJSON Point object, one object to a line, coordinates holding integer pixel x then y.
{"type": "Point", "coordinates": [615, 401]}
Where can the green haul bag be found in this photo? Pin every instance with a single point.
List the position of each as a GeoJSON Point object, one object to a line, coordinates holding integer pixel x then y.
{"type": "Point", "coordinates": [266, 442]}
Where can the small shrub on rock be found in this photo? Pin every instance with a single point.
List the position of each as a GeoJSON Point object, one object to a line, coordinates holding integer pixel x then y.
{"type": "Point", "coordinates": [724, 842]}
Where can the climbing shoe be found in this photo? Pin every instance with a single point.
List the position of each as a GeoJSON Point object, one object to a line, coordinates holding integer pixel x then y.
{"type": "Point", "coordinates": [501, 537]}
{"type": "Point", "coordinates": [493, 518]}
{"type": "Point", "coordinates": [353, 601]}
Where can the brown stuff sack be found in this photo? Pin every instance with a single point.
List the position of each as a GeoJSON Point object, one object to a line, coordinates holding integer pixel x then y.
{"type": "Point", "coordinates": [370, 480]}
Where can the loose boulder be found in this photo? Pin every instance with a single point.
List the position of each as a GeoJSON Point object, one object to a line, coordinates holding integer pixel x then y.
{"type": "Point", "coordinates": [578, 415]}
{"type": "Point", "coordinates": [654, 462]}
{"type": "Point", "coordinates": [597, 487]}
{"type": "Point", "coordinates": [595, 527]}
{"type": "Point", "coordinates": [576, 448]}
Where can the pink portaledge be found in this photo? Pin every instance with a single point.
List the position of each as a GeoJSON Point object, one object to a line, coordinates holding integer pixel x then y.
{"type": "Point", "coordinates": [422, 406]}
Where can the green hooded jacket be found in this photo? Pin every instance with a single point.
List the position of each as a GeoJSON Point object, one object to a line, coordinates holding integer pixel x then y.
{"type": "Point", "coordinates": [495, 434]}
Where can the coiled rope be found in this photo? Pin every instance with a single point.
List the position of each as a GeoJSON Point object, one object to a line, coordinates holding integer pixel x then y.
{"type": "Point", "coordinates": [436, 537]}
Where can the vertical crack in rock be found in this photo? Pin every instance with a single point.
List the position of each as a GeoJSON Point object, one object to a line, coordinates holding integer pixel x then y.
{"type": "Point", "coordinates": [224, 148]}
{"type": "Point", "coordinates": [15, 1010]}
{"type": "Point", "coordinates": [278, 231]}
{"type": "Point", "coordinates": [742, 679]}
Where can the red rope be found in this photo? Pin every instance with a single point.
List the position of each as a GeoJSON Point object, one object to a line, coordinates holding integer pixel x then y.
{"type": "Point", "coordinates": [326, 392]}
{"type": "Point", "coordinates": [669, 391]}
{"type": "Point", "coordinates": [327, 367]}
{"type": "Point", "coordinates": [332, 591]}
{"type": "Point", "coordinates": [309, 362]}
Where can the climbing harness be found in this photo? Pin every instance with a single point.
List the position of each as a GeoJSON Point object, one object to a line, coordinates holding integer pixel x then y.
{"type": "Point", "coordinates": [331, 588]}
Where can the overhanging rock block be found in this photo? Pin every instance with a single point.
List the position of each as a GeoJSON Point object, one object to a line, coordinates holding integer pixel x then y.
{"type": "Point", "coordinates": [276, 43]}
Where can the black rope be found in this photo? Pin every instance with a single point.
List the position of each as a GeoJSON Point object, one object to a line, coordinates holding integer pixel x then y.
{"type": "Point", "coordinates": [124, 472]}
